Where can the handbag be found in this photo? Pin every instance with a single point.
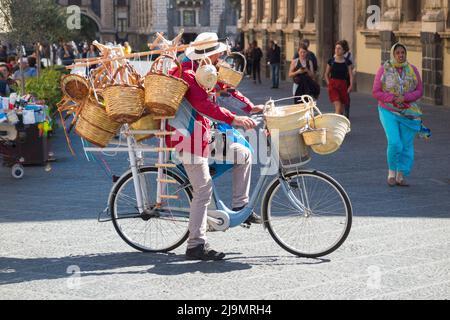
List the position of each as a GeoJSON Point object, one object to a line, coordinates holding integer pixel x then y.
{"type": "Point", "coordinates": [314, 87]}
{"type": "Point", "coordinates": [297, 79]}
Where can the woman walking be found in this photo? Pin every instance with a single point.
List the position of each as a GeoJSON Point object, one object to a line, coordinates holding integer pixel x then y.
{"type": "Point", "coordinates": [397, 88]}
{"type": "Point", "coordinates": [339, 69]}
{"type": "Point", "coordinates": [302, 72]}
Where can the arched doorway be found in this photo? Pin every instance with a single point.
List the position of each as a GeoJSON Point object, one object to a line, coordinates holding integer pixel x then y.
{"type": "Point", "coordinates": [89, 30]}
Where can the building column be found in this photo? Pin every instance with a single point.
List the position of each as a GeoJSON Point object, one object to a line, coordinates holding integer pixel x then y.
{"type": "Point", "coordinates": [280, 37]}
{"type": "Point", "coordinates": [265, 43]}
{"type": "Point", "coordinates": [325, 33]}
{"type": "Point", "coordinates": [297, 35]}
{"type": "Point", "coordinates": [387, 39]}
{"type": "Point", "coordinates": [433, 21]}
{"type": "Point", "coordinates": [392, 15]}
{"type": "Point", "coordinates": [432, 67]}
{"type": "Point", "coordinates": [108, 31]}
{"type": "Point", "coordinates": [159, 16]}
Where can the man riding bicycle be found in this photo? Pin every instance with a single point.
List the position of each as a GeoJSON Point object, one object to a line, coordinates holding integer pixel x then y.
{"type": "Point", "coordinates": [192, 144]}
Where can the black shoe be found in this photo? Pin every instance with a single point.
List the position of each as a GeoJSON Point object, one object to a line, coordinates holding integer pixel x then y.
{"type": "Point", "coordinates": [204, 253]}
{"type": "Point", "coordinates": [253, 219]}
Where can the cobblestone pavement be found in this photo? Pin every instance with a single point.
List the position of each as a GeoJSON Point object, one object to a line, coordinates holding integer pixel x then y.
{"type": "Point", "coordinates": [52, 247]}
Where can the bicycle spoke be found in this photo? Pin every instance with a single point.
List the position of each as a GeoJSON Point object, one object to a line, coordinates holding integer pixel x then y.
{"type": "Point", "coordinates": [319, 229]}
{"type": "Point", "coordinates": [153, 231]}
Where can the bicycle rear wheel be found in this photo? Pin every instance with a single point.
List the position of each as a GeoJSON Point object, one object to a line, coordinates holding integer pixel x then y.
{"type": "Point", "coordinates": [311, 217]}
{"type": "Point", "coordinates": [158, 229]}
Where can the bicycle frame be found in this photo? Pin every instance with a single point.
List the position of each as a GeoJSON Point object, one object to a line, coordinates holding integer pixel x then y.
{"type": "Point", "coordinates": [235, 218]}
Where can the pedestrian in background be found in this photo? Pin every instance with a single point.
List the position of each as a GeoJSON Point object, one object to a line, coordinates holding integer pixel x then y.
{"type": "Point", "coordinates": [248, 57]}
{"type": "Point", "coordinates": [256, 57]}
{"type": "Point", "coordinates": [274, 61]}
{"type": "Point", "coordinates": [311, 57]}
{"type": "Point", "coordinates": [302, 73]}
{"type": "Point", "coordinates": [127, 48]}
{"type": "Point", "coordinates": [398, 87]}
{"type": "Point", "coordinates": [339, 69]}
{"type": "Point", "coordinates": [4, 75]}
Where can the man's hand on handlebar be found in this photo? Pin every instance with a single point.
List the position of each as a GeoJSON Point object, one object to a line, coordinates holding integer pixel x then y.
{"type": "Point", "coordinates": [257, 109]}
{"type": "Point", "coordinates": [244, 122]}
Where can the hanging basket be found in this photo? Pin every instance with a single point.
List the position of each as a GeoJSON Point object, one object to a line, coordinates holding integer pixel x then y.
{"type": "Point", "coordinates": [230, 76]}
{"type": "Point", "coordinates": [337, 127]}
{"type": "Point", "coordinates": [285, 123]}
{"type": "Point", "coordinates": [94, 125]}
{"type": "Point", "coordinates": [147, 122]}
{"type": "Point", "coordinates": [124, 102]}
{"type": "Point", "coordinates": [164, 93]}
{"type": "Point", "coordinates": [75, 87]}
{"type": "Point", "coordinates": [315, 137]}
{"type": "Point", "coordinates": [312, 135]}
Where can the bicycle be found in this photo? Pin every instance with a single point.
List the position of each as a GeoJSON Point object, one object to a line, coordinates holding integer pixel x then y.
{"type": "Point", "coordinates": [307, 212]}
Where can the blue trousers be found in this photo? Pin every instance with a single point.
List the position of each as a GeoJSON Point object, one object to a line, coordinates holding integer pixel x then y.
{"type": "Point", "coordinates": [275, 75]}
{"type": "Point", "coordinates": [400, 137]}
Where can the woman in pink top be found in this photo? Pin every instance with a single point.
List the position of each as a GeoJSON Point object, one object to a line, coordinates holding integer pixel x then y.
{"type": "Point", "coordinates": [397, 87]}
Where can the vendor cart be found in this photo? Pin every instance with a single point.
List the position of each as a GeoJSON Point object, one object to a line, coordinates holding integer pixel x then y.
{"type": "Point", "coordinates": [9, 139]}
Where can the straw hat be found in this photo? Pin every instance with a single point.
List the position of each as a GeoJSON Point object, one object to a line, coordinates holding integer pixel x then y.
{"type": "Point", "coordinates": [206, 50]}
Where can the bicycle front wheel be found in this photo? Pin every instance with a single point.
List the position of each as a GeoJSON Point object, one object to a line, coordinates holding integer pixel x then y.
{"type": "Point", "coordinates": [310, 215]}
{"type": "Point", "coordinates": [159, 229]}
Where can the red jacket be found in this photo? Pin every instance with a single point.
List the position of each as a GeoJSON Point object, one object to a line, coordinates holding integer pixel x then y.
{"type": "Point", "coordinates": [199, 136]}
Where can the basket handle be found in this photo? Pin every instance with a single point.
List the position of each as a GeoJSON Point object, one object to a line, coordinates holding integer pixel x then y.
{"type": "Point", "coordinates": [242, 56]}
{"type": "Point", "coordinates": [134, 75]}
{"type": "Point", "coordinates": [120, 70]}
{"type": "Point", "coordinates": [269, 106]}
{"type": "Point", "coordinates": [158, 61]}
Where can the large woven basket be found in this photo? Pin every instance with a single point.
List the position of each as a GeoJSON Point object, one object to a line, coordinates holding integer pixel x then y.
{"type": "Point", "coordinates": [124, 104]}
{"type": "Point", "coordinates": [75, 87]}
{"type": "Point", "coordinates": [230, 76]}
{"type": "Point", "coordinates": [164, 93]}
{"type": "Point", "coordinates": [94, 125]}
{"type": "Point", "coordinates": [145, 123]}
{"type": "Point", "coordinates": [337, 127]}
{"type": "Point", "coordinates": [288, 118]}
{"type": "Point", "coordinates": [284, 124]}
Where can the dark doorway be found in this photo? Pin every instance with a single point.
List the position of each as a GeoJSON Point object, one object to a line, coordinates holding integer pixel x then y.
{"type": "Point", "coordinates": [89, 30]}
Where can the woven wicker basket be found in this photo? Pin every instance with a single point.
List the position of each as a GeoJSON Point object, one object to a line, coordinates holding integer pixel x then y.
{"type": "Point", "coordinates": [312, 135]}
{"type": "Point", "coordinates": [285, 123]}
{"type": "Point", "coordinates": [315, 137]}
{"type": "Point", "coordinates": [94, 125]}
{"type": "Point", "coordinates": [164, 93]}
{"type": "Point", "coordinates": [124, 104]}
{"type": "Point", "coordinates": [145, 123]}
{"type": "Point", "coordinates": [229, 76]}
{"type": "Point", "coordinates": [75, 87]}
{"type": "Point", "coordinates": [337, 128]}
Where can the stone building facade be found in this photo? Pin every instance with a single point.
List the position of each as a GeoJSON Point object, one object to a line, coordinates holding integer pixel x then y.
{"type": "Point", "coordinates": [423, 25]}
{"type": "Point", "coordinates": [137, 21]}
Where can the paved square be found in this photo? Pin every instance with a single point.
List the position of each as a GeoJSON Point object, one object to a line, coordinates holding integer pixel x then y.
{"type": "Point", "coordinates": [52, 247]}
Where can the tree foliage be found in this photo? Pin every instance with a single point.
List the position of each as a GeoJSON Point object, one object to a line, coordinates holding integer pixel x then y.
{"type": "Point", "coordinates": [31, 21]}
